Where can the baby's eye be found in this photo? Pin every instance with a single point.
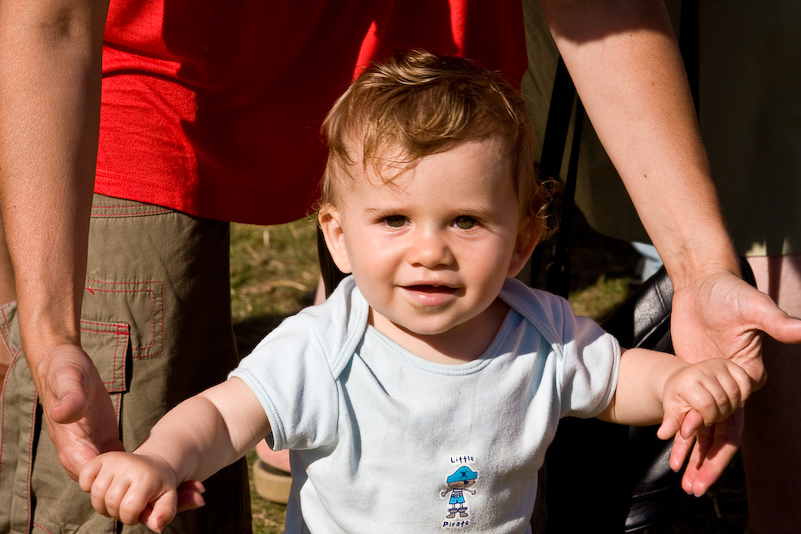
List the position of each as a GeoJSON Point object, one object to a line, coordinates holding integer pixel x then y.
{"type": "Point", "coordinates": [395, 221]}
{"type": "Point", "coordinates": [464, 223]}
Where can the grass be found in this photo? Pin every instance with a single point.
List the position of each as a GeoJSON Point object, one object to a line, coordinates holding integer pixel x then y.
{"type": "Point", "coordinates": [274, 274]}
{"type": "Point", "coordinates": [272, 268]}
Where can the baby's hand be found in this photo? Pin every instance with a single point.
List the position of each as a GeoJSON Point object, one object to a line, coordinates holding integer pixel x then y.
{"type": "Point", "coordinates": [136, 489]}
{"type": "Point", "coordinates": [714, 388]}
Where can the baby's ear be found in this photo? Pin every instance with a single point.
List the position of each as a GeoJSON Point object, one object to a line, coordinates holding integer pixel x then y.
{"type": "Point", "coordinates": [330, 221]}
{"type": "Point", "coordinates": [523, 250]}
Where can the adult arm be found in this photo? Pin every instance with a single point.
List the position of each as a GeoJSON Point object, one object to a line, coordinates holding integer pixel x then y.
{"type": "Point", "coordinates": [624, 60]}
{"type": "Point", "coordinates": [50, 75]}
{"type": "Point", "coordinates": [625, 63]}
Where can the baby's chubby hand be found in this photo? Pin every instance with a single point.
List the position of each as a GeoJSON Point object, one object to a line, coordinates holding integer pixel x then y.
{"type": "Point", "coordinates": [715, 388]}
{"type": "Point", "coordinates": [135, 488]}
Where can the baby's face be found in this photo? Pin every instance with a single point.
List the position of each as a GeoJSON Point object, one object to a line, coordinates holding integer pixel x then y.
{"type": "Point", "coordinates": [431, 251]}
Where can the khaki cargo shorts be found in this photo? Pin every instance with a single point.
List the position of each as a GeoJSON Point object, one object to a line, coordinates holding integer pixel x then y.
{"type": "Point", "coordinates": [156, 320]}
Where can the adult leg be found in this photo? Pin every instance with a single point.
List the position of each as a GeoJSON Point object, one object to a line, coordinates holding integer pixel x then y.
{"type": "Point", "coordinates": [771, 447]}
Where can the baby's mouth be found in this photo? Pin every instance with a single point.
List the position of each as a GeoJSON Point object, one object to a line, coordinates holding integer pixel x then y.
{"type": "Point", "coordinates": [431, 288]}
{"type": "Point", "coordinates": [431, 295]}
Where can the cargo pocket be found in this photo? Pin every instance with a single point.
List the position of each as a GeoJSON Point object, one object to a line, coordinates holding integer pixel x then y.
{"type": "Point", "coordinates": [109, 346]}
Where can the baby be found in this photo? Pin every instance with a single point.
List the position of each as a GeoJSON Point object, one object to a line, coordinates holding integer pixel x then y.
{"type": "Point", "coordinates": [423, 394]}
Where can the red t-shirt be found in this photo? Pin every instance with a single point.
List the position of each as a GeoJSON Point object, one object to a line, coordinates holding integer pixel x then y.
{"type": "Point", "coordinates": [214, 108]}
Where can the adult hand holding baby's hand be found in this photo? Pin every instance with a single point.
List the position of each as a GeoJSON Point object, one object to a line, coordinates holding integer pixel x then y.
{"type": "Point", "coordinates": [694, 400]}
{"type": "Point", "coordinates": [135, 489]}
{"type": "Point", "coordinates": [721, 316]}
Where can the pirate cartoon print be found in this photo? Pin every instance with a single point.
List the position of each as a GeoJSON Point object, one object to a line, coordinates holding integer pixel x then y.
{"type": "Point", "coordinates": [458, 484]}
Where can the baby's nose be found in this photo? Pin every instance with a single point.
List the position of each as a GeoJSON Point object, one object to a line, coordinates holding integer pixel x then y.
{"type": "Point", "coordinates": [431, 250]}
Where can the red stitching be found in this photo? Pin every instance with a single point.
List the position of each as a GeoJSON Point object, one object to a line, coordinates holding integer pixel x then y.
{"type": "Point", "coordinates": [114, 360]}
{"type": "Point", "coordinates": [125, 206]}
{"type": "Point", "coordinates": [115, 206]}
{"type": "Point", "coordinates": [161, 298]}
{"type": "Point", "coordinates": [153, 344]}
{"type": "Point", "coordinates": [124, 283]}
{"type": "Point", "coordinates": [110, 215]}
{"type": "Point", "coordinates": [5, 338]}
{"type": "Point", "coordinates": [119, 291]}
{"type": "Point", "coordinates": [121, 332]}
{"type": "Point", "coordinates": [3, 415]}
{"type": "Point", "coordinates": [14, 356]}
{"type": "Point", "coordinates": [142, 210]}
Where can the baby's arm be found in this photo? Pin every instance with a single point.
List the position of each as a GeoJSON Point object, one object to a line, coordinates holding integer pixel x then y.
{"type": "Point", "coordinates": [194, 440]}
{"type": "Point", "coordinates": [656, 387]}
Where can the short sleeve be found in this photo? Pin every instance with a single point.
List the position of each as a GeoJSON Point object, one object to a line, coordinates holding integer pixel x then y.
{"type": "Point", "coordinates": [290, 374]}
{"type": "Point", "coordinates": [586, 358]}
{"type": "Point", "coordinates": [588, 367]}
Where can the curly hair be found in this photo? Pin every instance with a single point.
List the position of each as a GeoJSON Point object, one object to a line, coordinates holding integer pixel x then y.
{"type": "Point", "coordinates": [418, 104]}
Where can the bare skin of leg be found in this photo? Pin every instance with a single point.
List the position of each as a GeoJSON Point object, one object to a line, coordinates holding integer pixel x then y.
{"type": "Point", "coordinates": [280, 459]}
{"type": "Point", "coordinates": [771, 446]}
{"type": "Point", "coordinates": [277, 459]}
{"type": "Point", "coordinates": [8, 293]}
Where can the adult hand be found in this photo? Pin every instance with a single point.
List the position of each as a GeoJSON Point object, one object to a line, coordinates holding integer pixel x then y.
{"type": "Point", "coordinates": [77, 408]}
{"type": "Point", "coordinates": [189, 497]}
{"type": "Point", "coordinates": [721, 316]}
{"type": "Point", "coordinates": [714, 448]}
